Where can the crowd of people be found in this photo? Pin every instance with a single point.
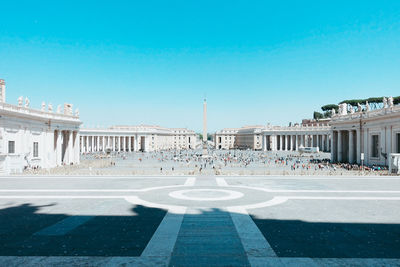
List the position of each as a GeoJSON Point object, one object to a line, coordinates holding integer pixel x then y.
{"type": "Point", "coordinates": [230, 162]}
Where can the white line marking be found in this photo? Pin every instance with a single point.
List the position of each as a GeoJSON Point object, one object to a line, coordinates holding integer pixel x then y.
{"type": "Point", "coordinates": [274, 201]}
{"type": "Point", "coordinates": [190, 181]}
{"type": "Point", "coordinates": [171, 208]}
{"type": "Point", "coordinates": [311, 177]}
{"type": "Point", "coordinates": [345, 198]}
{"type": "Point", "coordinates": [163, 241]}
{"type": "Point", "coordinates": [64, 197]}
{"type": "Point", "coordinates": [87, 190]}
{"type": "Point", "coordinates": [253, 241]}
{"type": "Point", "coordinates": [316, 191]}
{"type": "Point", "coordinates": [221, 181]}
{"type": "Point", "coordinates": [64, 226]}
{"type": "Point", "coordinates": [181, 195]}
{"type": "Point", "coordinates": [96, 177]}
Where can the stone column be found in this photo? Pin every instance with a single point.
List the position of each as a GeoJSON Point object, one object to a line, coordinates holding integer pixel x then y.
{"type": "Point", "coordinates": [59, 148]}
{"type": "Point", "coordinates": [358, 141]}
{"type": "Point", "coordinates": [351, 147]}
{"type": "Point", "coordinates": [129, 143]}
{"type": "Point", "coordinates": [318, 144]}
{"type": "Point", "coordinates": [97, 143]}
{"type": "Point", "coordinates": [280, 142]}
{"type": "Point", "coordinates": [323, 143]}
{"type": "Point", "coordinates": [366, 147]}
{"type": "Point", "coordinates": [287, 141]}
{"type": "Point", "coordinates": [92, 144]}
{"type": "Point", "coordinates": [76, 148]}
{"type": "Point", "coordinates": [339, 147]}
{"type": "Point", "coordinates": [81, 145]}
{"type": "Point", "coordinates": [135, 143]}
{"type": "Point", "coordinates": [70, 147]}
{"type": "Point", "coordinates": [118, 143]}
{"type": "Point", "coordinates": [334, 147]}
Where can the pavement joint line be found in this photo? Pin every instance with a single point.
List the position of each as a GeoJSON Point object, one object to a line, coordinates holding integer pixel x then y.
{"type": "Point", "coordinates": [253, 241]}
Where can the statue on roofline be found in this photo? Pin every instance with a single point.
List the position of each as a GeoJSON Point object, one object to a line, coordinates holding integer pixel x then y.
{"type": "Point", "coordinates": [390, 102]}
{"type": "Point", "coordinates": [385, 102]}
{"type": "Point", "coordinates": [27, 102]}
{"type": "Point", "coordinates": [20, 101]}
{"type": "Point", "coordinates": [359, 107]}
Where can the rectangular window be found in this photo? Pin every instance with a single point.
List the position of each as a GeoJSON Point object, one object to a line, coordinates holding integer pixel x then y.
{"type": "Point", "coordinates": [375, 146]}
{"type": "Point", "coordinates": [11, 147]}
{"type": "Point", "coordinates": [35, 149]}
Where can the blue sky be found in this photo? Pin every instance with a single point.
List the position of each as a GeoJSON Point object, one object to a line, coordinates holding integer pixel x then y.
{"type": "Point", "coordinates": [152, 62]}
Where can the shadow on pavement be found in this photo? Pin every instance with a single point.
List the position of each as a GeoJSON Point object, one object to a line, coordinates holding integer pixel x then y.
{"type": "Point", "coordinates": [295, 238]}
{"type": "Point", "coordinates": [204, 233]}
{"type": "Point", "coordinates": [98, 236]}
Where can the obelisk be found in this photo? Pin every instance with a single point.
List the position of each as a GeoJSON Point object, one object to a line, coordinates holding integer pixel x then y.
{"type": "Point", "coordinates": [205, 153]}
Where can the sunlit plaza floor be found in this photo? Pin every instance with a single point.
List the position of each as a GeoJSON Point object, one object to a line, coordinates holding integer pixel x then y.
{"type": "Point", "coordinates": [200, 220]}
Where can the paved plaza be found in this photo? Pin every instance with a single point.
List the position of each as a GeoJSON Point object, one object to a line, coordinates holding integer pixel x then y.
{"type": "Point", "coordinates": [199, 221]}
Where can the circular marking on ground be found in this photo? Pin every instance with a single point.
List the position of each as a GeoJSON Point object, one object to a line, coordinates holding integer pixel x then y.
{"type": "Point", "coordinates": [207, 194]}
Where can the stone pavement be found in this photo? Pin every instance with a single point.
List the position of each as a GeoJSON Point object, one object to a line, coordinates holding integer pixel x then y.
{"type": "Point", "coordinates": [199, 221]}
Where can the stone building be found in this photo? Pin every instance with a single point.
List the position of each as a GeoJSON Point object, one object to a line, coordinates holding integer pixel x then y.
{"type": "Point", "coordinates": [291, 138]}
{"type": "Point", "coordinates": [249, 137]}
{"type": "Point", "coordinates": [31, 138]}
{"type": "Point", "coordinates": [374, 133]}
{"type": "Point", "coordinates": [275, 138]}
{"type": "Point", "coordinates": [225, 138]}
{"type": "Point", "coordinates": [136, 138]}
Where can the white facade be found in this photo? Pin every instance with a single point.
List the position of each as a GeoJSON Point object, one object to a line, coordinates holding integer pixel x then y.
{"type": "Point", "coordinates": [274, 138]}
{"type": "Point", "coordinates": [291, 138]}
{"type": "Point", "coordinates": [136, 138]}
{"type": "Point", "coordinates": [249, 137]}
{"type": "Point", "coordinates": [225, 139]}
{"type": "Point", "coordinates": [375, 133]}
{"type": "Point", "coordinates": [32, 138]}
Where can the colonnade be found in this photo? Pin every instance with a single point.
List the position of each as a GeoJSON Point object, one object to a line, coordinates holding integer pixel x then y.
{"type": "Point", "coordinates": [346, 146]}
{"type": "Point", "coordinates": [66, 147]}
{"type": "Point", "coordinates": [99, 143]}
{"type": "Point", "coordinates": [292, 142]}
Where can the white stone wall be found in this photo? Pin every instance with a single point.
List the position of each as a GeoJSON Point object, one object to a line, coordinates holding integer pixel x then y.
{"type": "Point", "coordinates": [353, 135]}
{"type": "Point", "coordinates": [24, 127]}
